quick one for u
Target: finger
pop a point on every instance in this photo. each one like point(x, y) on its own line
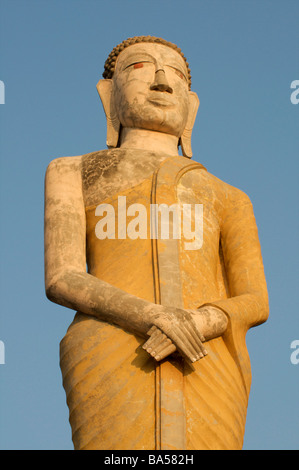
point(191, 325)
point(196, 333)
point(186, 331)
point(158, 345)
point(194, 339)
point(193, 329)
point(165, 352)
point(162, 345)
point(155, 346)
point(155, 333)
point(155, 339)
point(152, 330)
point(183, 345)
point(193, 346)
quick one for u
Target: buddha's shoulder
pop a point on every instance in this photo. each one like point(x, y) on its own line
point(94, 165)
point(87, 164)
point(210, 186)
point(64, 164)
point(225, 190)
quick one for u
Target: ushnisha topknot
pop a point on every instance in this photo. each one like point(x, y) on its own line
point(109, 66)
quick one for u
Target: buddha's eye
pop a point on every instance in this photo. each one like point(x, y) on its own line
point(179, 74)
point(137, 65)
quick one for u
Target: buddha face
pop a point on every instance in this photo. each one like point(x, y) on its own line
point(150, 88)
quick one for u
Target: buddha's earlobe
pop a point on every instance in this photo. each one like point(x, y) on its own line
point(104, 88)
point(185, 140)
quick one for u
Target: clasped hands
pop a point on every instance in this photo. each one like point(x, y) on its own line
point(176, 330)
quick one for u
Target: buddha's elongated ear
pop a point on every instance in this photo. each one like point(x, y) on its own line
point(185, 140)
point(104, 88)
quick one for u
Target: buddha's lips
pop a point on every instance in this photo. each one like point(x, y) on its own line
point(161, 99)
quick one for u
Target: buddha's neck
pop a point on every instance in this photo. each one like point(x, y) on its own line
point(143, 139)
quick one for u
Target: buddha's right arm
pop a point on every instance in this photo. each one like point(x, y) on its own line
point(67, 282)
point(66, 279)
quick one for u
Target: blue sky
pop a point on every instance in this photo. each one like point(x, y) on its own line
point(243, 56)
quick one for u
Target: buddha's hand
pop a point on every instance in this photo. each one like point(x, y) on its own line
point(175, 329)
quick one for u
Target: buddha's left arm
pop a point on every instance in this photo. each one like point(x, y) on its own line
point(247, 305)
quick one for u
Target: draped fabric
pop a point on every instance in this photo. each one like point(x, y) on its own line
point(118, 396)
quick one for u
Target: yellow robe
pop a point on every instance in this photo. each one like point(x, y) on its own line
point(118, 396)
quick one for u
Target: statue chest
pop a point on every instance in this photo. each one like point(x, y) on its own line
point(158, 240)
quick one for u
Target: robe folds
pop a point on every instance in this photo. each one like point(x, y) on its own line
point(120, 398)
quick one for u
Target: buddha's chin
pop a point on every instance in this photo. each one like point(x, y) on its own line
point(156, 118)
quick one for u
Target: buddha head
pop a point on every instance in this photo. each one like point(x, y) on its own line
point(147, 85)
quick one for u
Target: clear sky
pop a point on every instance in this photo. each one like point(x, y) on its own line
point(243, 56)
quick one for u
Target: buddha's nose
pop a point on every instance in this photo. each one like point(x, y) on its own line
point(160, 83)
